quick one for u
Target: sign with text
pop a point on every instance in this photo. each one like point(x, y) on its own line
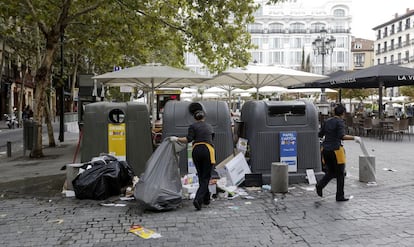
point(117, 140)
point(288, 150)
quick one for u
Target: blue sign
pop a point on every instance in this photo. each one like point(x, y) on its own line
point(288, 150)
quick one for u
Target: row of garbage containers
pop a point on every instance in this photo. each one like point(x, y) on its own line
point(275, 131)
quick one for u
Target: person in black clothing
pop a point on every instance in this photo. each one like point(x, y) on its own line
point(333, 153)
point(201, 134)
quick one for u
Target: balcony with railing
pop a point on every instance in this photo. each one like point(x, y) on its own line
point(297, 30)
point(276, 30)
point(341, 30)
point(256, 30)
point(358, 64)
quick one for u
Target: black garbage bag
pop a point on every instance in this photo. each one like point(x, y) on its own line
point(160, 188)
point(105, 177)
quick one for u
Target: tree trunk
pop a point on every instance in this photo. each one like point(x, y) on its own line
point(21, 94)
point(73, 85)
point(2, 61)
point(42, 84)
point(48, 121)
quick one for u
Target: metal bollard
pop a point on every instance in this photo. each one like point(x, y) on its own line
point(9, 149)
point(279, 177)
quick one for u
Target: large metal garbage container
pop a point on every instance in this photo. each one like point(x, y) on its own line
point(177, 118)
point(282, 131)
point(121, 129)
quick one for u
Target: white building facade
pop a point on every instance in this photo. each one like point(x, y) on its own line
point(395, 40)
point(395, 43)
point(284, 32)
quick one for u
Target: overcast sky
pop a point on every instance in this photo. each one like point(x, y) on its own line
point(368, 14)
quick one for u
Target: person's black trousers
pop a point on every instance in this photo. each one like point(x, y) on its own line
point(334, 170)
point(201, 158)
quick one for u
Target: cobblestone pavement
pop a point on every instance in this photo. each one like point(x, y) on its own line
point(377, 215)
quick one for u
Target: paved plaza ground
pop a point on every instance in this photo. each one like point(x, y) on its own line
point(33, 213)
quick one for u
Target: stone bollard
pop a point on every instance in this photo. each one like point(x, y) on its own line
point(367, 168)
point(279, 177)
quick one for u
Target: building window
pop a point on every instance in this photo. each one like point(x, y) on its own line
point(296, 43)
point(257, 56)
point(392, 29)
point(378, 34)
point(339, 13)
point(400, 26)
point(339, 27)
point(340, 42)
point(407, 23)
point(257, 42)
point(359, 59)
point(275, 43)
point(385, 46)
point(340, 56)
point(392, 59)
point(275, 28)
point(357, 45)
point(192, 59)
point(295, 57)
point(317, 27)
point(392, 44)
point(399, 58)
point(378, 61)
point(255, 28)
point(277, 57)
point(399, 42)
point(297, 27)
point(379, 48)
point(385, 32)
point(385, 60)
point(407, 39)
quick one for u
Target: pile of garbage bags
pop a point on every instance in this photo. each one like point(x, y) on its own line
point(159, 188)
point(102, 177)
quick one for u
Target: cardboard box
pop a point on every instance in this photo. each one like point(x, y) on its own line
point(233, 168)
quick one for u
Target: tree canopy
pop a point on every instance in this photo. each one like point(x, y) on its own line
point(104, 33)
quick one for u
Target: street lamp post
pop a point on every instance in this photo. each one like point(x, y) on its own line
point(323, 45)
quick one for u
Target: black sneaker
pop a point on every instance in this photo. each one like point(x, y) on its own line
point(318, 190)
point(342, 199)
point(197, 205)
point(206, 200)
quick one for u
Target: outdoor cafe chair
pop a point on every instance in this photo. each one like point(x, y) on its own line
point(367, 126)
point(393, 131)
point(404, 128)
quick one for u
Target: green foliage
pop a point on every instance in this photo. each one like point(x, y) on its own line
point(356, 93)
point(116, 95)
point(129, 32)
point(407, 91)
